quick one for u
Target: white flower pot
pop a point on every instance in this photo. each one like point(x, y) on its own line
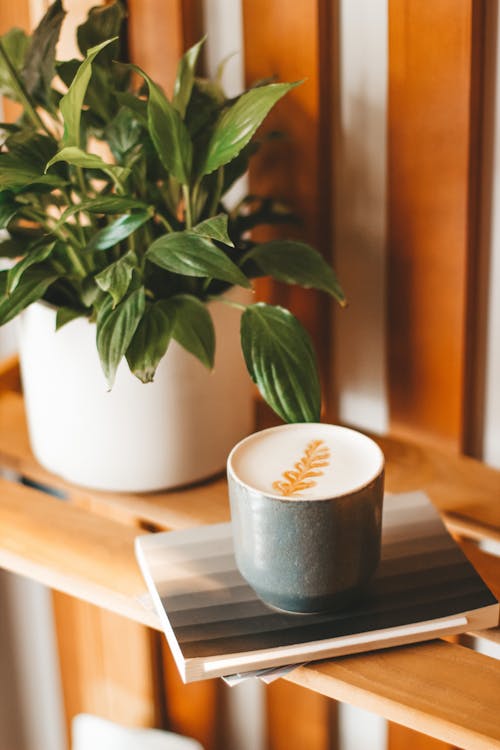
point(137, 437)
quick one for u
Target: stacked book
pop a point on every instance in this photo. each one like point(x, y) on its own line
point(216, 625)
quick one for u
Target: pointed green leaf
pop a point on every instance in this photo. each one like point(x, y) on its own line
point(36, 255)
point(79, 158)
point(214, 229)
point(190, 255)
point(151, 340)
point(33, 286)
point(115, 330)
point(8, 208)
point(168, 132)
point(66, 315)
point(185, 77)
point(116, 277)
point(296, 263)
point(281, 361)
point(239, 122)
point(106, 204)
point(117, 231)
point(15, 43)
point(18, 175)
point(193, 328)
point(39, 65)
point(102, 23)
point(72, 102)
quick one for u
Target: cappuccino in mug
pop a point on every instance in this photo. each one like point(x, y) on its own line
point(306, 509)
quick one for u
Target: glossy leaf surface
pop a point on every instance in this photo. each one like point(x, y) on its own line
point(280, 359)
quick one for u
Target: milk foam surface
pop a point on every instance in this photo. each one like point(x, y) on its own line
point(306, 461)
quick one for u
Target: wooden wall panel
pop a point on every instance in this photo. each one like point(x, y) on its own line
point(107, 664)
point(430, 134)
point(292, 42)
point(159, 33)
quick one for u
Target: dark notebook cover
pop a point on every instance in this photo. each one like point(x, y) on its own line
point(216, 625)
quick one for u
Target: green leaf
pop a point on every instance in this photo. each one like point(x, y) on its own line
point(296, 263)
point(79, 158)
point(66, 315)
point(281, 361)
point(214, 229)
point(185, 77)
point(33, 286)
point(151, 340)
point(106, 204)
point(193, 328)
point(238, 123)
point(17, 175)
point(32, 258)
point(39, 65)
point(116, 277)
point(117, 231)
point(115, 330)
point(102, 23)
point(8, 208)
point(168, 132)
point(15, 43)
point(190, 255)
point(72, 102)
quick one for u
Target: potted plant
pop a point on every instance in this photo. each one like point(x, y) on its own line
point(113, 201)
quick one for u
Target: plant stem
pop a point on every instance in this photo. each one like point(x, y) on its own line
point(165, 222)
point(22, 93)
point(187, 206)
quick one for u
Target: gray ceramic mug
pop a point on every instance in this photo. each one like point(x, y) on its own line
point(313, 548)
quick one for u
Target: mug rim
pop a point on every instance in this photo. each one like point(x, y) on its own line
point(274, 496)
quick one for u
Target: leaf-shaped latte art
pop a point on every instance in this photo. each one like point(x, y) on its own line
point(316, 457)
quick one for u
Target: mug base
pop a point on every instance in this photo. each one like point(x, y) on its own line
point(312, 605)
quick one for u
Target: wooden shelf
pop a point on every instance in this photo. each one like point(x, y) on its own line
point(84, 547)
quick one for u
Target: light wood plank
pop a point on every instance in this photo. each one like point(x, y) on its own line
point(444, 690)
point(72, 551)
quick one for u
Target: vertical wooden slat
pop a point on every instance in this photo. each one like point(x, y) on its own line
point(434, 124)
point(192, 710)
point(291, 41)
point(430, 131)
point(298, 719)
point(107, 664)
point(14, 14)
point(159, 32)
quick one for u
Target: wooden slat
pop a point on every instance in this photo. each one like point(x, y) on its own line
point(297, 169)
point(444, 690)
point(14, 14)
point(71, 550)
point(96, 677)
point(430, 135)
point(159, 32)
point(192, 710)
point(10, 378)
point(296, 719)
